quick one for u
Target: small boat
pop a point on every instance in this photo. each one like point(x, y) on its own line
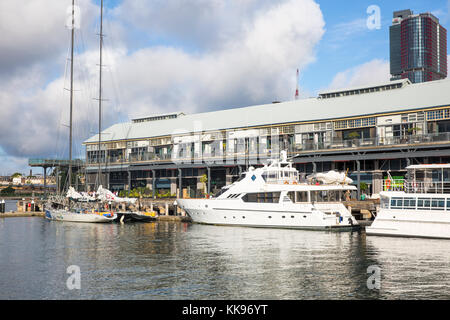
point(79, 215)
point(275, 197)
point(135, 216)
point(416, 207)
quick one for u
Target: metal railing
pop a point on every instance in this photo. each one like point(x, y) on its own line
point(416, 187)
point(368, 142)
point(332, 144)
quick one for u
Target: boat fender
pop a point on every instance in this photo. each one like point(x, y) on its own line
point(121, 219)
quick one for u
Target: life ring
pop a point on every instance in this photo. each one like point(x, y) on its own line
point(388, 183)
point(286, 182)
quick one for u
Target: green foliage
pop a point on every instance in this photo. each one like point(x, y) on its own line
point(8, 191)
point(353, 135)
point(204, 178)
point(163, 195)
point(143, 192)
point(414, 130)
point(363, 186)
point(16, 175)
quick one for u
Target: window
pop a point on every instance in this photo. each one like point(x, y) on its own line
point(355, 123)
point(437, 204)
point(319, 196)
point(423, 203)
point(438, 114)
point(384, 202)
point(302, 196)
point(396, 203)
point(262, 197)
point(291, 195)
point(409, 203)
point(250, 197)
point(220, 192)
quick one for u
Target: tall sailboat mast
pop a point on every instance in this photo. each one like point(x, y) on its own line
point(71, 94)
point(100, 98)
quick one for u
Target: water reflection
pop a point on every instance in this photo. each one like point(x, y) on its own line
point(190, 261)
point(412, 268)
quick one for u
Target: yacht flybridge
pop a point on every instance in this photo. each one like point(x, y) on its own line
point(275, 196)
point(417, 207)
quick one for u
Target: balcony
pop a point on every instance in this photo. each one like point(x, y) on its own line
point(292, 149)
point(373, 142)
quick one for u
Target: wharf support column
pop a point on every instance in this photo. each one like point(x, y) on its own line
point(358, 168)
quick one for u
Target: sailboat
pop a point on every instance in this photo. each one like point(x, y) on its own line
point(67, 213)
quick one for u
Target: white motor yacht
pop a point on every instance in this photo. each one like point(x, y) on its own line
point(417, 207)
point(273, 196)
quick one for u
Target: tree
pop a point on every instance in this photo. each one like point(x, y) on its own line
point(203, 180)
point(353, 135)
point(363, 186)
point(16, 175)
point(8, 191)
point(414, 130)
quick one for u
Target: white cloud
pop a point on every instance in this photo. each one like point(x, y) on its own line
point(242, 60)
point(33, 31)
point(256, 65)
point(372, 72)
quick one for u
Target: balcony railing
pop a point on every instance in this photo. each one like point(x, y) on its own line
point(292, 149)
point(416, 187)
point(372, 142)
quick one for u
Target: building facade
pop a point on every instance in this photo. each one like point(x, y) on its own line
point(369, 131)
point(418, 47)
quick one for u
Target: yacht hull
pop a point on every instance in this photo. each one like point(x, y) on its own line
point(414, 223)
point(221, 212)
point(63, 215)
point(134, 217)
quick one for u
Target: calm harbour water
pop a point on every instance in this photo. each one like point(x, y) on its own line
point(165, 260)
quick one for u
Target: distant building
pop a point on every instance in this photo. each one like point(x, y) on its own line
point(373, 131)
point(418, 47)
point(18, 180)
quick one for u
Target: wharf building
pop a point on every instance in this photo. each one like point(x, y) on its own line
point(418, 47)
point(370, 131)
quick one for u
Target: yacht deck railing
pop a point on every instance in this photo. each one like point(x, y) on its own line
point(416, 186)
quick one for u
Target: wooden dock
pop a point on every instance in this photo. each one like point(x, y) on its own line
point(364, 209)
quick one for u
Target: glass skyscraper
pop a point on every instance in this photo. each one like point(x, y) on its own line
point(418, 47)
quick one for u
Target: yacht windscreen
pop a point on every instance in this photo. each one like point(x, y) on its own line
point(241, 177)
point(221, 191)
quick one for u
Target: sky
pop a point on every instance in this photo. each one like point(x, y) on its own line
point(177, 55)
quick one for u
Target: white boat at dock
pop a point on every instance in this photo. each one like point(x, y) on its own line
point(273, 196)
point(416, 207)
point(79, 216)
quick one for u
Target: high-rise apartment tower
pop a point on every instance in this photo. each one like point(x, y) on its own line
point(418, 47)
